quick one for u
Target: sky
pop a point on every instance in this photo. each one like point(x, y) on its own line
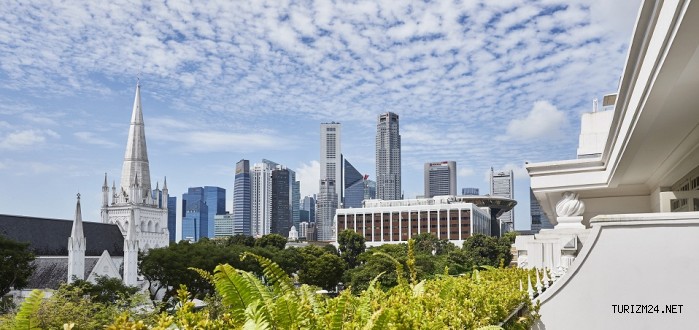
point(483, 83)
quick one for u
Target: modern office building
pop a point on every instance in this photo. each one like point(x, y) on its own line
point(331, 164)
point(224, 225)
point(280, 213)
point(309, 205)
point(447, 217)
point(354, 186)
point(325, 209)
point(242, 200)
point(388, 157)
point(539, 219)
point(440, 178)
point(172, 217)
point(200, 205)
point(470, 191)
point(294, 198)
point(502, 185)
point(261, 197)
point(303, 230)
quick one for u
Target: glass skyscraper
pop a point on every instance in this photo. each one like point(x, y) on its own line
point(354, 186)
point(388, 158)
point(242, 203)
point(172, 217)
point(199, 208)
point(281, 207)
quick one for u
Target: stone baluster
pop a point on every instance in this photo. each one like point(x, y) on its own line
point(530, 291)
point(546, 279)
point(538, 282)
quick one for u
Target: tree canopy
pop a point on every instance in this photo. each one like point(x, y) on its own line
point(15, 264)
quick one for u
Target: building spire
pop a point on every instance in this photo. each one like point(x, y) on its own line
point(131, 231)
point(77, 231)
point(136, 156)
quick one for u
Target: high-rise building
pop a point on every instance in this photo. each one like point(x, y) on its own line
point(303, 229)
point(295, 198)
point(470, 191)
point(440, 179)
point(135, 202)
point(354, 187)
point(280, 214)
point(539, 219)
point(172, 217)
point(242, 203)
point(200, 205)
point(331, 165)
point(369, 188)
point(309, 205)
point(224, 225)
point(502, 184)
point(388, 161)
point(261, 196)
point(325, 209)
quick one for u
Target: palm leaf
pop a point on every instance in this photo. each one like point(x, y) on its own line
point(25, 319)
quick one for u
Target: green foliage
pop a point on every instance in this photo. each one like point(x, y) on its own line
point(487, 250)
point(243, 240)
point(352, 245)
point(15, 265)
point(26, 317)
point(271, 240)
point(321, 268)
point(105, 289)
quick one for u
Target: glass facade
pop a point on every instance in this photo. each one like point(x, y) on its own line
point(172, 217)
point(242, 203)
point(199, 208)
point(281, 206)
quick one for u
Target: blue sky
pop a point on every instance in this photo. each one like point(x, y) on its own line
point(493, 83)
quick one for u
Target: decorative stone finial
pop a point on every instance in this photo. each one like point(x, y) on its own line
point(570, 206)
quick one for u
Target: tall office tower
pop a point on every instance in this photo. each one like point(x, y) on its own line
point(261, 197)
point(200, 205)
point(172, 217)
point(242, 203)
point(369, 188)
point(539, 219)
point(325, 211)
point(309, 204)
point(388, 184)
point(295, 198)
point(194, 214)
point(303, 229)
point(331, 156)
point(470, 191)
point(280, 213)
point(354, 186)
point(215, 198)
point(502, 184)
point(440, 179)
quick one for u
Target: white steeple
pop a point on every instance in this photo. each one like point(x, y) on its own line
point(76, 247)
point(136, 156)
point(131, 252)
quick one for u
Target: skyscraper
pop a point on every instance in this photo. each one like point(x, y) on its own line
point(470, 191)
point(325, 209)
point(172, 217)
point(200, 205)
point(502, 184)
point(280, 214)
point(261, 196)
point(440, 178)
point(295, 198)
point(309, 205)
point(242, 203)
point(539, 219)
point(331, 165)
point(388, 162)
point(354, 186)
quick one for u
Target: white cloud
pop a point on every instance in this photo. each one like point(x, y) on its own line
point(309, 175)
point(91, 138)
point(26, 138)
point(464, 171)
point(543, 121)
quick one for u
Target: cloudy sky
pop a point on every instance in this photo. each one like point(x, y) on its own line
point(493, 83)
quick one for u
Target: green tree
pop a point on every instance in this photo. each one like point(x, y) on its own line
point(240, 239)
point(15, 264)
point(352, 245)
point(271, 240)
point(320, 268)
point(105, 289)
point(487, 250)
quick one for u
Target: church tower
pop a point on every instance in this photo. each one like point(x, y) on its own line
point(76, 247)
point(133, 202)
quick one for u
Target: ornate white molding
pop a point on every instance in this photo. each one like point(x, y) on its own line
point(570, 205)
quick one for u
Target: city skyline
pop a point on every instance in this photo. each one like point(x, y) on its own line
point(461, 79)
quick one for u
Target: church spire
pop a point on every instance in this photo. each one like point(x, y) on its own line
point(76, 247)
point(136, 156)
point(77, 231)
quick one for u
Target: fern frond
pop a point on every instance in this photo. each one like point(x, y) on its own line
point(338, 313)
point(287, 311)
point(419, 289)
point(25, 319)
point(281, 282)
point(255, 318)
point(235, 290)
point(399, 266)
point(204, 274)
